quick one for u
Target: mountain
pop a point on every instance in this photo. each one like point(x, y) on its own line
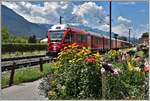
point(18, 26)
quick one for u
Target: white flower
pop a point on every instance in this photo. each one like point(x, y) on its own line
point(102, 70)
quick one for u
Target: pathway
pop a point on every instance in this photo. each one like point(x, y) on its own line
point(24, 91)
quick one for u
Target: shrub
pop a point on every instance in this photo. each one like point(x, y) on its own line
point(32, 39)
point(22, 47)
point(76, 75)
point(113, 54)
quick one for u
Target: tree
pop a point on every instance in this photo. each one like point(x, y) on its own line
point(32, 39)
point(123, 38)
point(5, 34)
point(146, 34)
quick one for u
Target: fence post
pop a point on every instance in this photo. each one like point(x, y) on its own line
point(41, 64)
point(11, 80)
point(104, 86)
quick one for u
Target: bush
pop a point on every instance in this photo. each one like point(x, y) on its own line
point(79, 74)
point(32, 39)
point(76, 75)
point(22, 47)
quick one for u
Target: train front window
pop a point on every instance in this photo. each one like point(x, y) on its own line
point(56, 36)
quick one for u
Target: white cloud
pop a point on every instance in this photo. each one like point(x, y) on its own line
point(121, 20)
point(127, 3)
point(36, 13)
point(122, 27)
point(87, 13)
point(104, 27)
point(140, 30)
point(90, 14)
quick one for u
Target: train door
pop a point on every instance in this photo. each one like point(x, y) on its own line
point(68, 39)
point(89, 41)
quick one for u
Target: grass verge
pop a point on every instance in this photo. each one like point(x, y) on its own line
point(25, 75)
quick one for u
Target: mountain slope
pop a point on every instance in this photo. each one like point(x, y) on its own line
point(19, 26)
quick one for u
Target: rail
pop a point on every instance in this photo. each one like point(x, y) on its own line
point(18, 58)
point(12, 64)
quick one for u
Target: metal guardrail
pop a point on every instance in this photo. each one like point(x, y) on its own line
point(34, 60)
point(18, 58)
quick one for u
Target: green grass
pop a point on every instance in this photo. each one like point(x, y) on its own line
point(21, 54)
point(25, 75)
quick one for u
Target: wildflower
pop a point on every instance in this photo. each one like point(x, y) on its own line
point(107, 67)
point(51, 93)
point(137, 69)
point(63, 87)
point(130, 67)
point(146, 67)
point(116, 72)
point(89, 59)
point(65, 48)
point(102, 70)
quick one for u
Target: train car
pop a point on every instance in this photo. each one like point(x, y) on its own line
point(62, 35)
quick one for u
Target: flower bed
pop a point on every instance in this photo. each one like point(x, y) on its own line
point(77, 73)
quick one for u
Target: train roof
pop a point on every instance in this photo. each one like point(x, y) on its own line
point(58, 27)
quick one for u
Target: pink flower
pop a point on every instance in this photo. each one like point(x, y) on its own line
point(146, 66)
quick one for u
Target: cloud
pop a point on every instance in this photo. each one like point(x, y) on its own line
point(127, 3)
point(50, 12)
point(123, 20)
point(122, 27)
point(140, 30)
point(87, 13)
point(90, 14)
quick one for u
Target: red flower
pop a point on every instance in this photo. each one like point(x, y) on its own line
point(146, 69)
point(90, 59)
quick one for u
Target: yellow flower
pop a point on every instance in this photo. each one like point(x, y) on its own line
point(65, 47)
point(130, 67)
point(97, 55)
point(51, 93)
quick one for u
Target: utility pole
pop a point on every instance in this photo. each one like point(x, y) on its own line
point(60, 20)
point(110, 23)
point(129, 35)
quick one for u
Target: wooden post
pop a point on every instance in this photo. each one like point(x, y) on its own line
point(12, 74)
point(104, 86)
point(41, 64)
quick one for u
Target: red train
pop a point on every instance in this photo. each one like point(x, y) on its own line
point(62, 35)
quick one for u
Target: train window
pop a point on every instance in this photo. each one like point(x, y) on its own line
point(56, 36)
point(69, 38)
point(81, 38)
point(97, 41)
point(84, 38)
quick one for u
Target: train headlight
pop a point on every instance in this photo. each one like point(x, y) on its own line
point(54, 48)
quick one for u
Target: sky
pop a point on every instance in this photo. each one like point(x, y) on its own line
point(125, 15)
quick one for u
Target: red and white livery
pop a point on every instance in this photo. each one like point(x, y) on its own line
point(62, 35)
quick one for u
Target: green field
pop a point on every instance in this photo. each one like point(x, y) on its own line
point(25, 75)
